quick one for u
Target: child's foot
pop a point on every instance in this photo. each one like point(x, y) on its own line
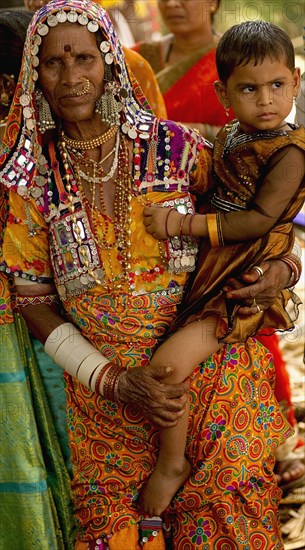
point(160, 488)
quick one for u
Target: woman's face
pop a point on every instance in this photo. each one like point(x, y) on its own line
point(68, 56)
point(185, 16)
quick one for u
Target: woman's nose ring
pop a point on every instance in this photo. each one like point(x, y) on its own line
point(85, 89)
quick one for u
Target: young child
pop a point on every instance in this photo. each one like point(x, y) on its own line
point(258, 188)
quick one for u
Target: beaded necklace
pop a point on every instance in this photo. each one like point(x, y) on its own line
point(86, 145)
point(121, 222)
point(97, 167)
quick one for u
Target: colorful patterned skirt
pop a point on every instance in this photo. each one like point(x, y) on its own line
point(230, 501)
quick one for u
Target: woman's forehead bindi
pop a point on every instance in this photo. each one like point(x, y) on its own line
point(67, 48)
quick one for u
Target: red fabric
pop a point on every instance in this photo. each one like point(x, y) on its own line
point(193, 99)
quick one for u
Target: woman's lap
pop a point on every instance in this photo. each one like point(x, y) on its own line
point(231, 497)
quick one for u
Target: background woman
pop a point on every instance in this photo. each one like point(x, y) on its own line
point(184, 63)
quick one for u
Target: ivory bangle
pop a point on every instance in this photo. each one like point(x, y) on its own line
point(57, 336)
point(71, 351)
point(71, 357)
point(88, 366)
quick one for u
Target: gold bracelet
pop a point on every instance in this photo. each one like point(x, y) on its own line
point(212, 230)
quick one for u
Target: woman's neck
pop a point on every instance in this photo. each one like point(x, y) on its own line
point(183, 45)
point(86, 129)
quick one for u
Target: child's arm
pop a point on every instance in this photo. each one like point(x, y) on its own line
point(280, 185)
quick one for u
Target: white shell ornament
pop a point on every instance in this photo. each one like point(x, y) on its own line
point(132, 133)
point(37, 39)
point(109, 58)
point(72, 16)
point(35, 61)
point(43, 29)
point(52, 21)
point(105, 46)
point(30, 124)
point(83, 19)
point(61, 16)
point(93, 26)
point(24, 100)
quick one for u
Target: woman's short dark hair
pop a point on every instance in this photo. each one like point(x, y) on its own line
point(252, 40)
point(13, 27)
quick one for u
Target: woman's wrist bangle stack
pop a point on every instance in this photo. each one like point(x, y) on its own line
point(71, 351)
point(296, 267)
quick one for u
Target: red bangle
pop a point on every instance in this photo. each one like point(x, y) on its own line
point(110, 385)
point(181, 223)
point(295, 266)
point(191, 222)
point(166, 222)
point(100, 376)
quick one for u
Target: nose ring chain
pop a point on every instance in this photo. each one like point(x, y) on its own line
point(85, 89)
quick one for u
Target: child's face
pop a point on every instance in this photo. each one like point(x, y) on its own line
point(261, 96)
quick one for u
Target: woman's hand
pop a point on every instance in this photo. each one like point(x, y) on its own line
point(259, 290)
point(162, 223)
point(163, 404)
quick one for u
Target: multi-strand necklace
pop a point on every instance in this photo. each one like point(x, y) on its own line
point(106, 240)
point(86, 145)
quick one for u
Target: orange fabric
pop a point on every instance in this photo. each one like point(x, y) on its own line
point(231, 494)
point(147, 80)
point(128, 539)
point(282, 388)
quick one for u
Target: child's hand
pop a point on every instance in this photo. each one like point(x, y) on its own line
point(162, 223)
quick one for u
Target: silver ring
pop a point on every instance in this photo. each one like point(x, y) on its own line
point(258, 308)
point(258, 270)
point(254, 304)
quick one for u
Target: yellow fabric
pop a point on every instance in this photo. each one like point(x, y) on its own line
point(147, 80)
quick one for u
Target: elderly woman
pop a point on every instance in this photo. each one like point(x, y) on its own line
point(82, 159)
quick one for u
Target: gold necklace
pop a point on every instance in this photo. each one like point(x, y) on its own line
point(86, 145)
point(4, 120)
point(122, 221)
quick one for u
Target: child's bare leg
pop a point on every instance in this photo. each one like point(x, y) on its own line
point(184, 350)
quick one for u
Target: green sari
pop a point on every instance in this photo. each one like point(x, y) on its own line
point(34, 482)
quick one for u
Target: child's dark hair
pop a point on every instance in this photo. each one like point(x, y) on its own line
point(252, 40)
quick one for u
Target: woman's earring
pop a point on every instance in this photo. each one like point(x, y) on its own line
point(227, 109)
point(45, 120)
point(108, 106)
point(4, 99)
